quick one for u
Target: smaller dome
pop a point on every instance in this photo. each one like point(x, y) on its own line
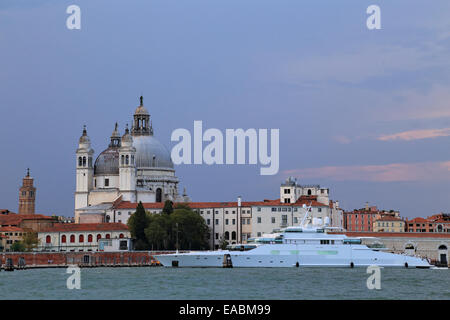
point(84, 138)
point(127, 139)
point(107, 162)
point(141, 109)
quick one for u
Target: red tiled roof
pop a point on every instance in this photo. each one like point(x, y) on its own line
point(204, 205)
point(419, 220)
point(389, 218)
point(396, 234)
point(73, 227)
point(16, 219)
point(11, 229)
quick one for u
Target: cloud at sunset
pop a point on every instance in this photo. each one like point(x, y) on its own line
point(416, 135)
point(394, 172)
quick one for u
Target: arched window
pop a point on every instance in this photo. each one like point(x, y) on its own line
point(63, 238)
point(48, 239)
point(72, 238)
point(309, 192)
point(90, 238)
point(84, 161)
point(227, 235)
point(81, 238)
point(121, 235)
point(99, 236)
point(233, 235)
point(132, 159)
point(108, 236)
point(80, 161)
point(158, 195)
point(442, 247)
point(122, 159)
point(409, 246)
point(439, 228)
point(108, 218)
point(127, 159)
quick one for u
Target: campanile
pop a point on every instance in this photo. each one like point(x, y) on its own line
point(27, 195)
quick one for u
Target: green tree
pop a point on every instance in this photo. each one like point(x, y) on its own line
point(223, 243)
point(137, 223)
point(168, 207)
point(18, 247)
point(192, 229)
point(30, 240)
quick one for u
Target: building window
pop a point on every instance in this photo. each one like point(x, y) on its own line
point(226, 221)
point(273, 219)
point(234, 221)
point(48, 239)
point(121, 236)
point(233, 235)
point(106, 182)
point(81, 238)
point(158, 195)
point(217, 221)
point(208, 221)
point(108, 236)
point(72, 238)
point(227, 235)
point(99, 236)
point(63, 238)
point(287, 200)
point(259, 220)
point(90, 238)
point(248, 221)
point(259, 209)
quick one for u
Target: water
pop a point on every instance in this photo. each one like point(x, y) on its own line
point(226, 284)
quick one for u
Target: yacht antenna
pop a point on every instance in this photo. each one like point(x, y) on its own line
point(306, 214)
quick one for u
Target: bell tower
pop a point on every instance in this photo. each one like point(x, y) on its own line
point(127, 168)
point(27, 195)
point(85, 171)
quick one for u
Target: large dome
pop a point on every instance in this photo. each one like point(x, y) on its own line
point(150, 153)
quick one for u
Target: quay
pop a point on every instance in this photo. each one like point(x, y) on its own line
point(10, 261)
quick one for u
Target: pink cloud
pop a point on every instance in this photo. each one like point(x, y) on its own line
point(416, 134)
point(422, 171)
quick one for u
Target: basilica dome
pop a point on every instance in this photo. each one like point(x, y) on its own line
point(150, 153)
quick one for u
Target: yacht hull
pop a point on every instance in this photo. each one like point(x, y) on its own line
point(285, 256)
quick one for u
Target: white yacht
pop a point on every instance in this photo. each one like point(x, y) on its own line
point(307, 245)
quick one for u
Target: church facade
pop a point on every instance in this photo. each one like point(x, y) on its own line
point(135, 167)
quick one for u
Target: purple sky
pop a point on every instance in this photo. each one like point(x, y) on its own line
point(362, 112)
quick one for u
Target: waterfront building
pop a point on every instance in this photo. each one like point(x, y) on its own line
point(389, 224)
point(135, 167)
point(27, 222)
point(362, 220)
point(78, 237)
point(436, 223)
point(27, 195)
point(8, 236)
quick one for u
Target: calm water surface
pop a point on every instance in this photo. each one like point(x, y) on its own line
point(209, 283)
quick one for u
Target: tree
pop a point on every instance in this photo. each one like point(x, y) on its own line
point(30, 240)
point(168, 207)
point(18, 247)
point(191, 228)
point(137, 223)
point(223, 243)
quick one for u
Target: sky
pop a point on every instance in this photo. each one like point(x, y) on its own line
point(363, 112)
